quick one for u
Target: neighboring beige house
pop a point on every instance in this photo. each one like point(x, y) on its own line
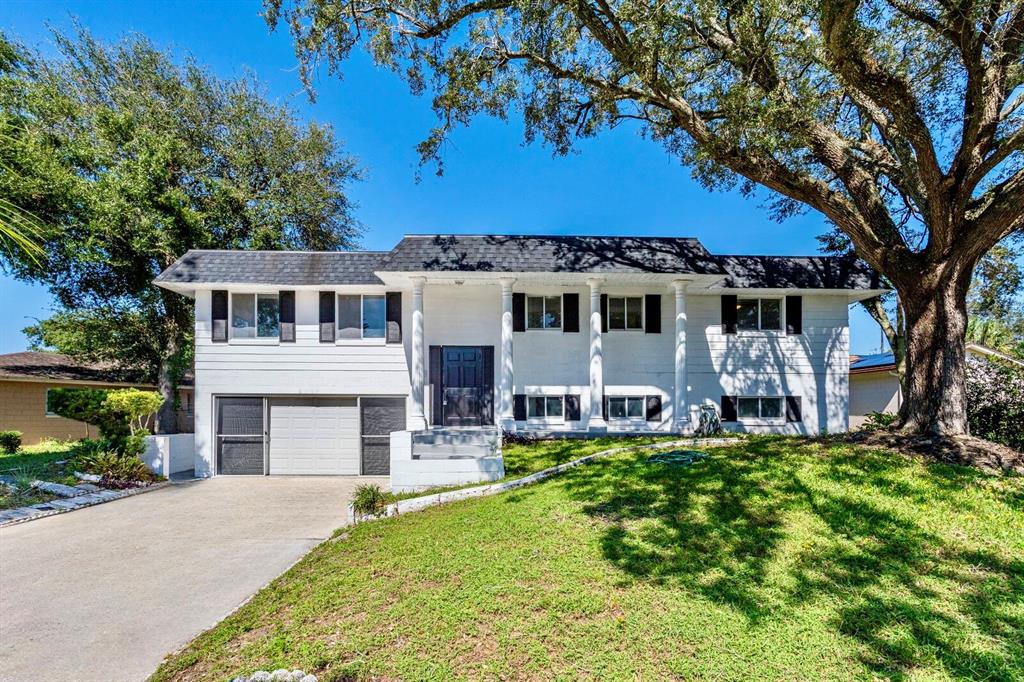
point(874, 386)
point(27, 377)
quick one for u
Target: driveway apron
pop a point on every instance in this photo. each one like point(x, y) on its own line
point(104, 593)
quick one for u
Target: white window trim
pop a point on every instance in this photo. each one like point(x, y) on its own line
point(256, 340)
point(781, 419)
point(46, 405)
point(643, 316)
point(362, 340)
point(543, 298)
point(760, 329)
point(627, 418)
point(545, 419)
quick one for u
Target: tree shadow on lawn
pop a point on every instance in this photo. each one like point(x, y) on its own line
point(722, 528)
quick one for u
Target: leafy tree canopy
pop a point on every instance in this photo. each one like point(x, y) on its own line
point(127, 158)
point(901, 122)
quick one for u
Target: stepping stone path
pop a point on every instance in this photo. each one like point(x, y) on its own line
point(76, 497)
point(56, 488)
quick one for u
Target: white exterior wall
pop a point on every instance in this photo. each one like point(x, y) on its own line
point(549, 362)
point(813, 365)
point(872, 392)
point(303, 368)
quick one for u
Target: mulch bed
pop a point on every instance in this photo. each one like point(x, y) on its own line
point(967, 450)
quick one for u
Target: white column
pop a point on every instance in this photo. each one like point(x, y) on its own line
point(681, 408)
point(417, 420)
point(505, 383)
point(596, 358)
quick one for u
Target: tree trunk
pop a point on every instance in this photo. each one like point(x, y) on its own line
point(166, 419)
point(935, 311)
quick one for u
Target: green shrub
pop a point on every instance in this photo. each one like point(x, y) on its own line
point(995, 401)
point(133, 406)
point(369, 500)
point(10, 441)
point(879, 420)
point(116, 470)
point(119, 414)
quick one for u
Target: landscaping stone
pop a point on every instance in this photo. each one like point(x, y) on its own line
point(280, 675)
point(88, 487)
point(91, 478)
point(56, 488)
point(85, 496)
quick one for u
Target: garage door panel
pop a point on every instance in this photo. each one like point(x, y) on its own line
point(314, 436)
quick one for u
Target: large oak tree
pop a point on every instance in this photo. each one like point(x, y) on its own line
point(900, 121)
point(127, 157)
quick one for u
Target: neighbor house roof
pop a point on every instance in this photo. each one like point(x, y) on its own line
point(871, 363)
point(880, 362)
point(518, 254)
point(274, 267)
point(42, 365)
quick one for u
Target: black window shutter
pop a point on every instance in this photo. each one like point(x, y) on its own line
point(653, 408)
point(572, 407)
point(436, 390)
point(286, 316)
point(519, 407)
point(393, 305)
point(728, 408)
point(604, 408)
point(570, 313)
point(795, 315)
point(728, 314)
point(652, 313)
point(604, 313)
point(519, 312)
point(327, 317)
point(793, 413)
point(487, 389)
point(219, 315)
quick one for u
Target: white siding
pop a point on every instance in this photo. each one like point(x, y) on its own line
point(813, 365)
point(303, 368)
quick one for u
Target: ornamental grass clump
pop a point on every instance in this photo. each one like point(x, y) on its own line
point(369, 500)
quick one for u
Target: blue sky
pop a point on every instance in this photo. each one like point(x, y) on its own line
point(618, 184)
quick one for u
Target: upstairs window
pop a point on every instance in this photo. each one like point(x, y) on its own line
point(759, 314)
point(759, 408)
point(361, 317)
point(545, 407)
point(543, 312)
point(254, 316)
point(626, 312)
point(626, 408)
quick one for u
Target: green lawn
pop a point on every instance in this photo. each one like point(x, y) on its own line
point(30, 463)
point(774, 558)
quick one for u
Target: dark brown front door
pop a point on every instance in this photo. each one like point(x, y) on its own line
point(463, 384)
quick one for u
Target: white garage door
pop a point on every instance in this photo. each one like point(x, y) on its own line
point(317, 436)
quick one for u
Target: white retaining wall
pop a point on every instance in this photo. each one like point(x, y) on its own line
point(408, 474)
point(170, 454)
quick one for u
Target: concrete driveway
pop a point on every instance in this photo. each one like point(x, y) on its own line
point(104, 593)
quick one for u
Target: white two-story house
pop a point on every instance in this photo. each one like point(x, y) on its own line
point(406, 362)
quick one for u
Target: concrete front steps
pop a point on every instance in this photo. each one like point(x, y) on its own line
point(457, 443)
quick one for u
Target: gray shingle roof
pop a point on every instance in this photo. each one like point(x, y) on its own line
point(274, 267)
point(500, 253)
point(806, 272)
